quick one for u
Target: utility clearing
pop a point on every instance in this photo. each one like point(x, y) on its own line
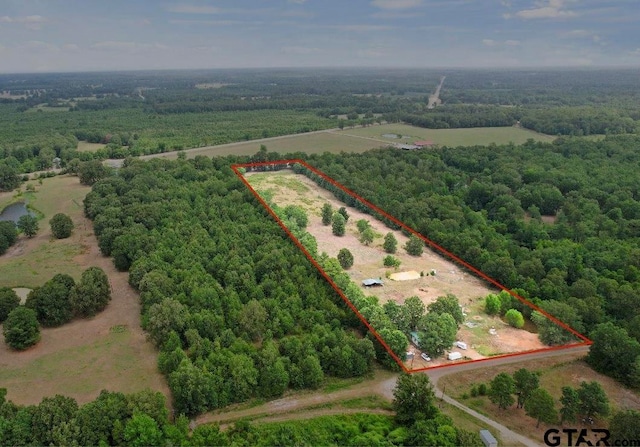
point(428, 276)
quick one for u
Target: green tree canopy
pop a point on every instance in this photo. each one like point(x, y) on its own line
point(414, 245)
point(448, 304)
point(9, 300)
point(390, 244)
point(345, 258)
point(413, 398)
point(327, 214)
point(92, 294)
point(501, 391)
point(437, 333)
point(514, 318)
point(540, 406)
point(28, 224)
point(21, 329)
point(338, 224)
point(61, 226)
point(525, 383)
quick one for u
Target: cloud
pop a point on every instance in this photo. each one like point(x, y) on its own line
point(211, 22)
point(394, 15)
point(396, 4)
point(301, 50)
point(33, 22)
point(70, 47)
point(497, 43)
point(126, 47)
point(297, 2)
point(546, 9)
point(39, 46)
point(362, 28)
point(182, 8)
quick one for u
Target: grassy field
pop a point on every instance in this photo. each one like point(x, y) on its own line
point(311, 143)
point(448, 137)
point(112, 362)
point(31, 262)
point(554, 374)
point(85, 146)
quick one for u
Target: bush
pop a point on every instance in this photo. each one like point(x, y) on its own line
point(492, 304)
point(514, 318)
point(390, 243)
point(414, 246)
point(61, 226)
point(344, 213)
point(21, 328)
point(391, 261)
point(362, 225)
point(345, 258)
point(338, 224)
point(482, 389)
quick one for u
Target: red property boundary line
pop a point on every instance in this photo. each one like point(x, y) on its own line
point(289, 163)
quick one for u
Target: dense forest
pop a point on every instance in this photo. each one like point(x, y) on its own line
point(560, 222)
point(235, 309)
point(140, 113)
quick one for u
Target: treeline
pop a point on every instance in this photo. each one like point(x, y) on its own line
point(235, 309)
point(488, 206)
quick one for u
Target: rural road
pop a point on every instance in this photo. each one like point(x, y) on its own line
point(301, 407)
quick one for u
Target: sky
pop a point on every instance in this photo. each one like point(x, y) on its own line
point(97, 35)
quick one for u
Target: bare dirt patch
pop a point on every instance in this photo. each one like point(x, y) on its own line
point(287, 188)
point(22, 293)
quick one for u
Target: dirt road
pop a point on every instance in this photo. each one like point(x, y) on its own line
point(434, 100)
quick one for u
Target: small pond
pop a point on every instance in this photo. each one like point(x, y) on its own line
point(14, 212)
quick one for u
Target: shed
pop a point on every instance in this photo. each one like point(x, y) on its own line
point(407, 147)
point(455, 356)
point(372, 282)
point(487, 439)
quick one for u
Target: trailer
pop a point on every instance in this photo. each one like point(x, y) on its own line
point(454, 356)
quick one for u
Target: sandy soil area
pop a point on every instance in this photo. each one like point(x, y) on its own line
point(287, 188)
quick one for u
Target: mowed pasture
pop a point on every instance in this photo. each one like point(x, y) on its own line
point(85, 146)
point(79, 359)
point(362, 139)
point(555, 373)
point(310, 143)
point(448, 137)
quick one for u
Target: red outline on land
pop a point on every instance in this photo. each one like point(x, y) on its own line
point(430, 243)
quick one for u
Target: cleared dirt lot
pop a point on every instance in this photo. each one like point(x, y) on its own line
point(286, 188)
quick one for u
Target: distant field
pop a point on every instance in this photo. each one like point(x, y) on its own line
point(32, 262)
point(84, 146)
point(449, 137)
point(311, 143)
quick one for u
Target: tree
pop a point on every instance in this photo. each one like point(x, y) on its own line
point(391, 261)
point(570, 401)
point(252, 319)
point(448, 304)
point(593, 400)
point(9, 177)
point(28, 224)
point(9, 300)
point(437, 333)
point(61, 226)
point(492, 304)
point(164, 317)
point(413, 399)
point(501, 390)
point(514, 318)
point(327, 214)
point(362, 225)
point(21, 328)
point(541, 407)
point(611, 350)
point(92, 294)
point(345, 258)
point(52, 303)
point(624, 425)
point(525, 383)
point(50, 415)
point(312, 374)
point(414, 246)
point(367, 236)
point(8, 235)
point(91, 171)
point(338, 224)
point(414, 309)
point(342, 210)
point(141, 430)
point(390, 244)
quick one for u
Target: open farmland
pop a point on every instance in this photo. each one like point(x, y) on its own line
point(78, 359)
point(286, 188)
point(448, 137)
point(310, 143)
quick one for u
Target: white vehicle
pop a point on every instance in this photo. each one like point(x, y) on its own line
point(461, 345)
point(455, 356)
point(425, 357)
